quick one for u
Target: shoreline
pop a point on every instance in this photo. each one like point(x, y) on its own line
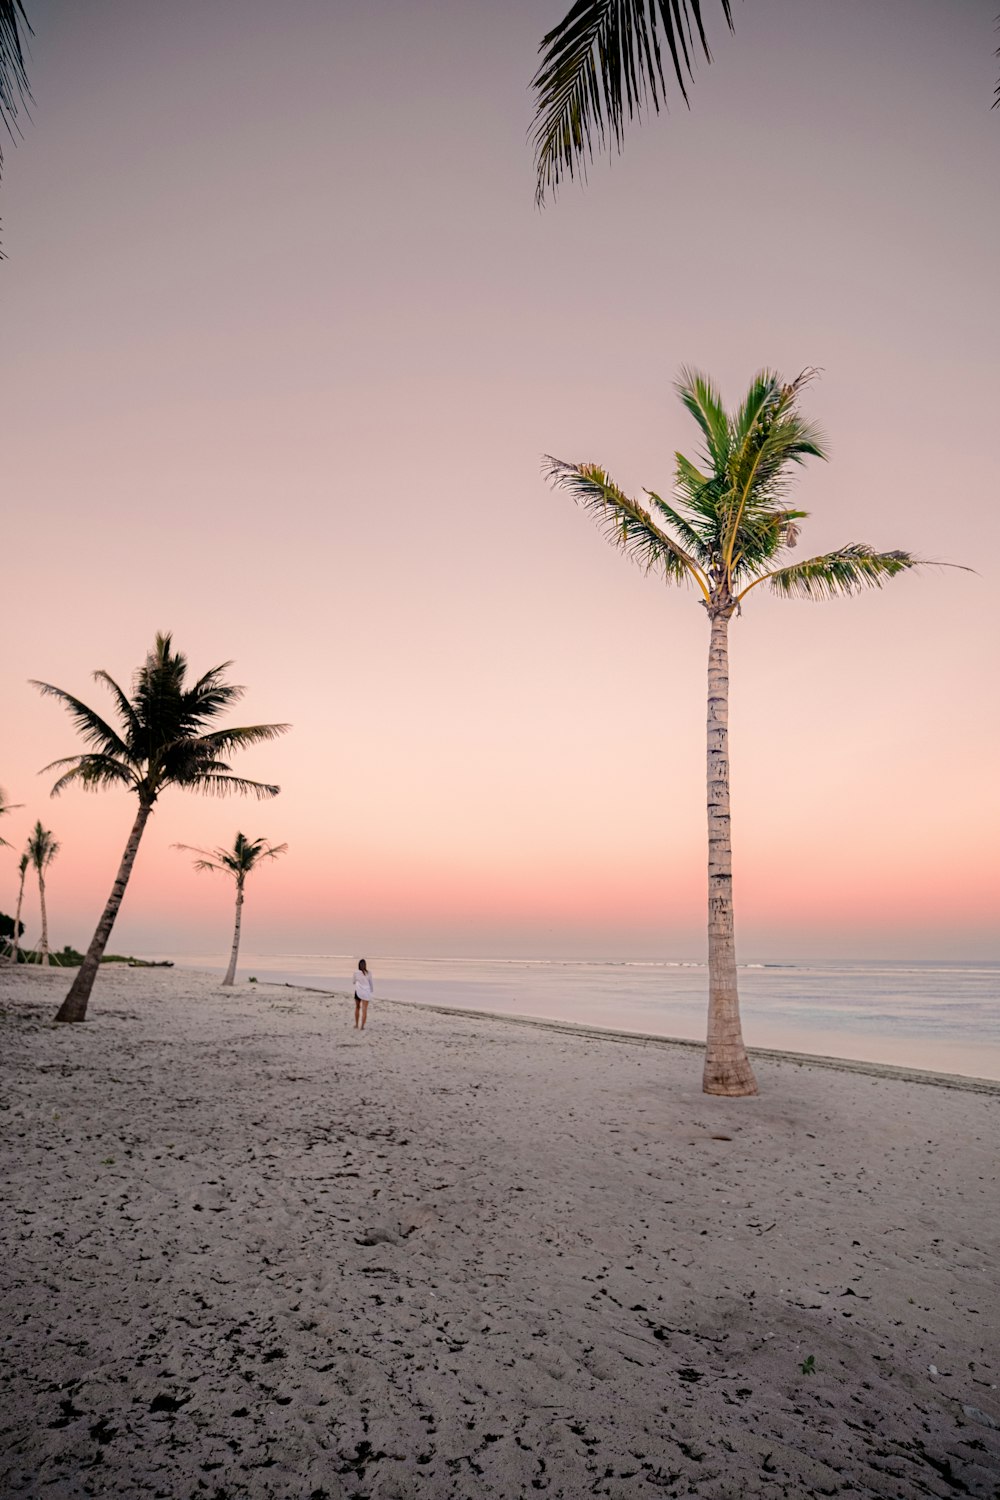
point(963, 1081)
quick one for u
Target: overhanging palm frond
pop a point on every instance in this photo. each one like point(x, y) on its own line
point(849, 570)
point(604, 63)
point(624, 522)
point(14, 87)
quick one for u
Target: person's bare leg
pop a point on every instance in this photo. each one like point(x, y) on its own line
point(357, 1013)
point(364, 1013)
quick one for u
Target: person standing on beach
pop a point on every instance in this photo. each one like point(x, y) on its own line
point(363, 991)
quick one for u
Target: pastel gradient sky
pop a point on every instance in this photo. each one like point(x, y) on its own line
point(284, 339)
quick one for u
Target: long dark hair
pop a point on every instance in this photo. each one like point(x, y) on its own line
point(362, 966)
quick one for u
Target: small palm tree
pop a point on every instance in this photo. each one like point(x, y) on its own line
point(22, 869)
point(163, 740)
point(5, 808)
point(728, 526)
point(42, 850)
point(245, 855)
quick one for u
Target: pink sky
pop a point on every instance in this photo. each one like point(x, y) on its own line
point(284, 341)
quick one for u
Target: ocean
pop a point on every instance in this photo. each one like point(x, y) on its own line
point(944, 1016)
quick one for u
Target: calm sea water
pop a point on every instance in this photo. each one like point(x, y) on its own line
point(944, 1016)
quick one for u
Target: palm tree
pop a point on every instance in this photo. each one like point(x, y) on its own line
point(238, 862)
point(727, 531)
point(163, 740)
point(604, 63)
point(5, 808)
point(22, 868)
point(42, 850)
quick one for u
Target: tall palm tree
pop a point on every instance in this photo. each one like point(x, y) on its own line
point(606, 62)
point(727, 531)
point(42, 850)
point(22, 869)
point(245, 855)
point(163, 740)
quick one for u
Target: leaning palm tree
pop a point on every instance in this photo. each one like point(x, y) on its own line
point(245, 855)
point(727, 531)
point(22, 869)
point(42, 850)
point(163, 740)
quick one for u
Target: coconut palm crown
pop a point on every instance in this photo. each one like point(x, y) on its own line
point(239, 861)
point(164, 737)
point(728, 529)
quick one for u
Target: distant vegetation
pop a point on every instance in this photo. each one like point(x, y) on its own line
point(68, 958)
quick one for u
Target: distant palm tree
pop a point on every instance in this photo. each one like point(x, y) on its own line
point(5, 808)
point(238, 862)
point(42, 850)
point(605, 63)
point(163, 741)
point(726, 528)
point(22, 869)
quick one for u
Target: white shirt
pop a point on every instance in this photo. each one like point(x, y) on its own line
point(363, 987)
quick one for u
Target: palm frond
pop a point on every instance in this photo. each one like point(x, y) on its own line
point(623, 521)
point(693, 540)
point(769, 435)
point(848, 570)
point(14, 86)
point(5, 806)
point(128, 714)
point(224, 741)
point(217, 784)
point(216, 860)
point(605, 63)
point(762, 536)
point(703, 400)
point(763, 393)
point(93, 729)
point(93, 772)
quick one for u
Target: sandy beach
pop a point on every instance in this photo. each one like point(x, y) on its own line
point(251, 1253)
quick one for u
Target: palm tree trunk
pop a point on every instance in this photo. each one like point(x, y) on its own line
point(231, 971)
point(727, 1067)
point(12, 958)
point(43, 946)
point(74, 1007)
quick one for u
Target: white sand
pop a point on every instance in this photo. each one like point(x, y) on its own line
point(249, 1253)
